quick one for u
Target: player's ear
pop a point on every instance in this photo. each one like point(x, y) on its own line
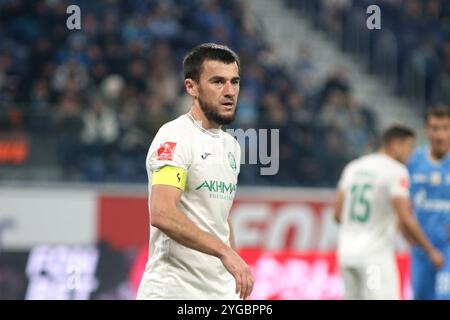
point(191, 87)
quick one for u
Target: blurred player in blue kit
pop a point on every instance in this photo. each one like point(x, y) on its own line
point(429, 169)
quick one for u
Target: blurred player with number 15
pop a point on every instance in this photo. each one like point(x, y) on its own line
point(372, 200)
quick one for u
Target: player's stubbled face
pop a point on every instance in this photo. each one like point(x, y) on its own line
point(438, 132)
point(218, 91)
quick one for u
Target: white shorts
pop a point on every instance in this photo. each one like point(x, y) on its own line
point(372, 281)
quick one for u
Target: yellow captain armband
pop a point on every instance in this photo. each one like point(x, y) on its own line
point(171, 176)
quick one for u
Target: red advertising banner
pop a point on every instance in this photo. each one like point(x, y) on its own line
point(284, 224)
point(289, 275)
point(123, 221)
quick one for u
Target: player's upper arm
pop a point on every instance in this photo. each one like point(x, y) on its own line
point(402, 207)
point(339, 204)
point(168, 183)
point(170, 147)
point(398, 183)
point(168, 161)
point(163, 199)
point(398, 188)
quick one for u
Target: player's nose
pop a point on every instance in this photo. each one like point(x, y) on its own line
point(229, 89)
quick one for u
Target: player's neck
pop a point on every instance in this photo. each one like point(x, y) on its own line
point(437, 156)
point(198, 115)
point(386, 152)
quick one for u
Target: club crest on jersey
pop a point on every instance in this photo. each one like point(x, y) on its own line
point(435, 178)
point(166, 150)
point(232, 161)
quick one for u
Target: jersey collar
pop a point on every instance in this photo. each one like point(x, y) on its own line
point(208, 132)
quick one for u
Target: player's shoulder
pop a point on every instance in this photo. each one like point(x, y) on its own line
point(362, 160)
point(383, 163)
point(419, 154)
point(388, 163)
point(354, 164)
point(398, 166)
point(176, 125)
point(447, 159)
point(176, 129)
point(418, 158)
point(175, 132)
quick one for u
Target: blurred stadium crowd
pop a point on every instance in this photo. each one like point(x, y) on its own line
point(412, 52)
point(104, 91)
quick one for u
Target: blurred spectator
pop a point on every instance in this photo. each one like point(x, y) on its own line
point(162, 23)
point(335, 112)
point(112, 88)
point(98, 137)
point(441, 92)
point(163, 79)
point(338, 81)
point(69, 124)
point(40, 106)
point(155, 114)
point(247, 112)
point(71, 76)
point(274, 114)
point(331, 147)
point(305, 71)
point(299, 112)
point(5, 70)
point(100, 125)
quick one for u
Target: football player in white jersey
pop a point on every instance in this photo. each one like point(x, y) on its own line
point(192, 168)
point(372, 201)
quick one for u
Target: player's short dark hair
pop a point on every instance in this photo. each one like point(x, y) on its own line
point(193, 61)
point(396, 131)
point(439, 111)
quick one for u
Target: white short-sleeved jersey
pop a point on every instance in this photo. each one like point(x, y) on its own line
point(212, 160)
point(369, 222)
